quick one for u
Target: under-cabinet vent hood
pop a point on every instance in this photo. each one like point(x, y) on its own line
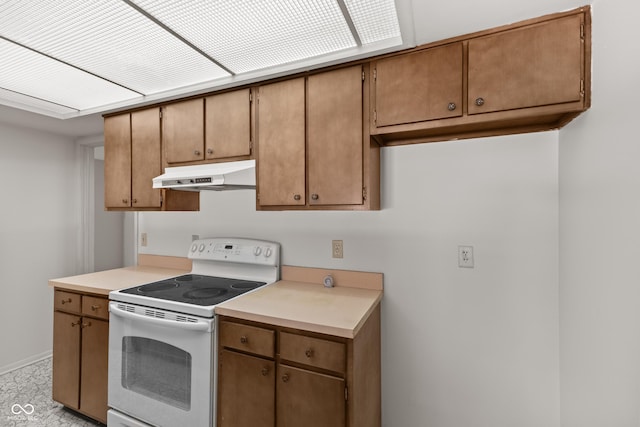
point(213, 176)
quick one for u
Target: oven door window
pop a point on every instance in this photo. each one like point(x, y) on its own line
point(157, 370)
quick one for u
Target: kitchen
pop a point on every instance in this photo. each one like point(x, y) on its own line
point(543, 331)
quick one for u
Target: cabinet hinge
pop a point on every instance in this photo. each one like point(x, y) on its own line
point(161, 113)
point(250, 97)
point(581, 87)
point(250, 145)
point(346, 394)
point(375, 117)
point(364, 193)
point(375, 73)
point(362, 75)
point(582, 31)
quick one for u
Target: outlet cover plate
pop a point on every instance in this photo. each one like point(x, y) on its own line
point(465, 256)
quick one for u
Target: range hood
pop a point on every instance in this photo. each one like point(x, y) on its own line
point(213, 176)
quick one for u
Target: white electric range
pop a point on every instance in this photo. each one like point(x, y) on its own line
point(162, 335)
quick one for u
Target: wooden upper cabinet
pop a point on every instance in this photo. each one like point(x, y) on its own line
point(145, 158)
point(281, 143)
point(334, 137)
point(183, 131)
point(117, 161)
point(419, 86)
point(532, 66)
point(228, 125)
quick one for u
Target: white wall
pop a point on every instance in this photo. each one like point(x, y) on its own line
point(600, 227)
point(461, 347)
point(108, 227)
point(38, 232)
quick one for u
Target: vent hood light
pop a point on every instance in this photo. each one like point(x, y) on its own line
point(214, 176)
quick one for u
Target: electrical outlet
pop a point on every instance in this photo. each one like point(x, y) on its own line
point(143, 239)
point(336, 248)
point(465, 256)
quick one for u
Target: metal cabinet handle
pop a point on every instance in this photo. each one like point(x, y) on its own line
point(479, 102)
point(296, 197)
point(244, 339)
point(265, 371)
point(84, 325)
point(64, 301)
point(75, 323)
point(135, 201)
point(309, 352)
point(125, 201)
point(95, 307)
point(452, 106)
point(285, 378)
point(196, 152)
point(209, 151)
point(314, 197)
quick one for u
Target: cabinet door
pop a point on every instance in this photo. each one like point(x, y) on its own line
point(246, 392)
point(281, 143)
point(93, 381)
point(228, 125)
point(309, 399)
point(145, 157)
point(420, 86)
point(526, 67)
point(183, 131)
point(66, 359)
point(117, 161)
point(334, 137)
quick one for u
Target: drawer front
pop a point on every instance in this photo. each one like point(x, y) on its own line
point(66, 301)
point(95, 306)
point(314, 352)
point(247, 338)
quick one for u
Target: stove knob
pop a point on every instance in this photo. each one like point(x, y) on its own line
point(267, 252)
point(201, 247)
point(257, 251)
point(194, 247)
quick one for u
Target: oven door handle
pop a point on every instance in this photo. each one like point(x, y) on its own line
point(199, 326)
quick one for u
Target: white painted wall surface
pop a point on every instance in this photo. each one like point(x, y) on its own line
point(38, 231)
point(600, 228)
point(108, 228)
point(461, 347)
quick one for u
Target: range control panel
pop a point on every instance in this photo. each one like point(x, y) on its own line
point(247, 251)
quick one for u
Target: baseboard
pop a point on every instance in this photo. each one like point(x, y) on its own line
point(24, 362)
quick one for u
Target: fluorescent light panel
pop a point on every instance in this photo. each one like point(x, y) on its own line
point(108, 38)
point(38, 76)
point(110, 53)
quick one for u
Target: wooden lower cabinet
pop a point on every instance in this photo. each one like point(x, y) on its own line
point(310, 399)
point(80, 351)
point(293, 378)
point(247, 384)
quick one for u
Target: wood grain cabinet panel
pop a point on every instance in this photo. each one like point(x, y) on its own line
point(527, 67)
point(117, 161)
point(80, 353)
point(334, 137)
point(228, 125)
point(281, 143)
point(309, 399)
point(247, 338)
point(66, 359)
point(145, 158)
point(419, 86)
point(183, 131)
point(246, 390)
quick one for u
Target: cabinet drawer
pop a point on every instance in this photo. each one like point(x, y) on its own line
point(95, 306)
point(66, 301)
point(314, 352)
point(247, 338)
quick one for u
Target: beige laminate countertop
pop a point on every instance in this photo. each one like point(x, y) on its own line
point(103, 282)
point(338, 311)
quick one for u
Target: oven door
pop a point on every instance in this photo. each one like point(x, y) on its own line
point(161, 366)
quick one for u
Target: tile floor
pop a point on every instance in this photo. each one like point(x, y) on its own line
point(25, 400)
